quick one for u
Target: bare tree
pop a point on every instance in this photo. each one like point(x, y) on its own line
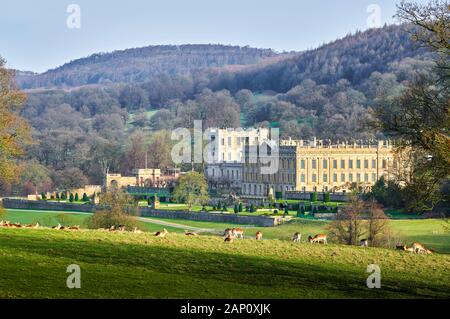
point(348, 226)
point(378, 228)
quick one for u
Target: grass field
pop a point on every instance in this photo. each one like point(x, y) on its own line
point(430, 232)
point(127, 265)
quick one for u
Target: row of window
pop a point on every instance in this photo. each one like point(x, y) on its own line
point(342, 178)
point(229, 173)
point(262, 190)
point(358, 164)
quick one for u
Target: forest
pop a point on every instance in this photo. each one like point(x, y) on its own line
point(105, 112)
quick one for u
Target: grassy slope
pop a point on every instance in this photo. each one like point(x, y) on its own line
point(34, 262)
point(427, 231)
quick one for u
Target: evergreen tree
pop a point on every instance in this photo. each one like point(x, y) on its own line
point(85, 198)
point(77, 198)
point(236, 208)
point(71, 198)
point(241, 208)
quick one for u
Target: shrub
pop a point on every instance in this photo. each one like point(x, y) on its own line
point(63, 196)
point(77, 198)
point(85, 198)
point(326, 197)
point(236, 208)
point(43, 196)
point(286, 211)
point(241, 208)
point(71, 198)
point(313, 197)
point(275, 211)
point(252, 208)
point(224, 207)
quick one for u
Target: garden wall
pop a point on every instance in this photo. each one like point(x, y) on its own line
point(45, 205)
point(263, 221)
point(334, 197)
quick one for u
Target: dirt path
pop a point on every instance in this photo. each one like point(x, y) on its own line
point(176, 225)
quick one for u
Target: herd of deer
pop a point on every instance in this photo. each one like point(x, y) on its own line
point(416, 248)
point(229, 235)
point(232, 233)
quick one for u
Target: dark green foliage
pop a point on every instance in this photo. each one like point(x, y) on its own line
point(286, 211)
point(313, 197)
point(326, 197)
point(76, 197)
point(224, 207)
point(71, 198)
point(43, 196)
point(275, 211)
point(57, 196)
point(85, 198)
point(241, 208)
point(252, 208)
point(236, 208)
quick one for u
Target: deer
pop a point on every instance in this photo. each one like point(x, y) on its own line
point(238, 232)
point(74, 227)
point(420, 249)
point(228, 239)
point(32, 226)
point(121, 228)
point(137, 231)
point(318, 239)
point(161, 233)
point(228, 232)
point(364, 243)
point(297, 237)
point(259, 235)
point(190, 233)
point(57, 227)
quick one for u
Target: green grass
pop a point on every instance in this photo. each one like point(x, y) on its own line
point(127, 265)
point(430, 232)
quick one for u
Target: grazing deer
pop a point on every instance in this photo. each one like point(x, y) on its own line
point(364, 243)
point(112, 228)
point(137, 231)
point(32, 226)
point(228, 232)
point(297, 237)
point(161, 233)
point(190, 233)
point(57, 227)
point(238, 232)
point(318, 239)
point(410, 249)
point(258, 235)
point(121, 228)
point(228, 239)
point(420, 249)
point(74, 228)
point(2, 223)
point(400, 247)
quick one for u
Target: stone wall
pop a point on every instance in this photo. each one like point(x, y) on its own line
point(334, 197)
point(263, 221)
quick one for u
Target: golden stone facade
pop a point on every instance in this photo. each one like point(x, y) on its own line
point(322, 167)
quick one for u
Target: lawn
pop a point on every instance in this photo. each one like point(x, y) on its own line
point(127, 265)
point(430, 232)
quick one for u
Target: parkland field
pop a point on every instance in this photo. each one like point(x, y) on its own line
point(131, 265)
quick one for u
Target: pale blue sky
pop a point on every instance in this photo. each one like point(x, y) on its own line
point(34, 35)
